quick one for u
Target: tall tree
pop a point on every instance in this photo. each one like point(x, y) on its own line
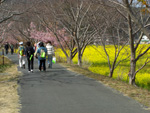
point(10, 11)
point(138, 25)
point(73, 17)
point(110, 27)
point(50, 19)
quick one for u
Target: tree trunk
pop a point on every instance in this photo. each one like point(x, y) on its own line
point(111, 73)
point(79, 58)
point(133, 53)
point(132, 71)
point(69, 59)
point(112, 68)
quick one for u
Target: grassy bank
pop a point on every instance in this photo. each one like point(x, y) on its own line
point(9, 99)
point(7, 63)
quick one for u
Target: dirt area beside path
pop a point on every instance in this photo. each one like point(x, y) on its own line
point(9, 98)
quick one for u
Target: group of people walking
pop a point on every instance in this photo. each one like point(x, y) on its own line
point(39, 51)
point(7, 46)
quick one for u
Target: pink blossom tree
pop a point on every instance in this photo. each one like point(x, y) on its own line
point(41, 35)
point(47, 35)
point(57, 36)
point(7, 35)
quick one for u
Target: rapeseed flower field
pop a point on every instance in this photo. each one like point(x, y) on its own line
point(95, 58)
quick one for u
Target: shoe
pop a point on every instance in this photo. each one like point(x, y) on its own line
point(31, 70)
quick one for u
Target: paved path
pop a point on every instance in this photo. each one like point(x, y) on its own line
point(61, 91)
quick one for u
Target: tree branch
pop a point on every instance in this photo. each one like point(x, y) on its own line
point(143, 65)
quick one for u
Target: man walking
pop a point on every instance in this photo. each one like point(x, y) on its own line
point(50, 53)
point(6, 48)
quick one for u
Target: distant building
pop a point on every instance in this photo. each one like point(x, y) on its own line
point(145, 40)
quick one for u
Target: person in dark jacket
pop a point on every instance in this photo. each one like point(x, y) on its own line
point(30, 56)
point(6, 48)
point(12, 49)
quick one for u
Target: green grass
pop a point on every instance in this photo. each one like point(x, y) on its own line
point(4, 67)
point(7, 64)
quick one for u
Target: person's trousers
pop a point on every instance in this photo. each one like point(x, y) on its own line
point(12, 51)
point(6, 50)
point(30, 63)
point(49, 60)
point(42, 63)
point(38, 62)
point(21, 61)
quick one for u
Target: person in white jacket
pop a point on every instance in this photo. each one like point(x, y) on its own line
point(35, 54)
point(50, 53)
point(21, 55)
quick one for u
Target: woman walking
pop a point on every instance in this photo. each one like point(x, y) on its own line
point(42, 51)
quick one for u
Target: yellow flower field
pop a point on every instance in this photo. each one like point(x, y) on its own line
point(95, 58)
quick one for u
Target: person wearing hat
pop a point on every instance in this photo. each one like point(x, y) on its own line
point(21, 54)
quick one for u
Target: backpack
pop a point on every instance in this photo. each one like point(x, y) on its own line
point(29, 53)
point(42, 53)
point(21, 51)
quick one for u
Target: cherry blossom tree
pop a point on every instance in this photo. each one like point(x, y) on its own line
point(72, 16)
point(11, 10)
point(48, 18)
point(7, 35)
point(46, 35)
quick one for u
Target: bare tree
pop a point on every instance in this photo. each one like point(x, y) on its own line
point(110, 27)
point(10, 11)
point(71, 16)
point(49, 19)
point(138, 25)
point(74, 18)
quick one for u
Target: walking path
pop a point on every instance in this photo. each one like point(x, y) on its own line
point(61, 91)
